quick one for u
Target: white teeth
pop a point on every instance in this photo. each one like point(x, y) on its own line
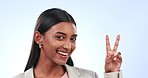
point(65, 54)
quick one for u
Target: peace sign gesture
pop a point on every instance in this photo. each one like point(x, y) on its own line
point(113, 59)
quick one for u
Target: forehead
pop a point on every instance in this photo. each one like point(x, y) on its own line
point(65, 27)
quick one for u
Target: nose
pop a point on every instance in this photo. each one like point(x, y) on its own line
point(67, 46)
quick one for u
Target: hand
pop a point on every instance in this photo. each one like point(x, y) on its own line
point(113, 59)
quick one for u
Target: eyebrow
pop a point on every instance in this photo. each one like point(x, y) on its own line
point(65, 34)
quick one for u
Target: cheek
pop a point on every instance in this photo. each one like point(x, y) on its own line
point(48, 45)
point(73, 47)
point(52, 44)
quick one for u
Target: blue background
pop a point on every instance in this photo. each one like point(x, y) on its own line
point(95, 19)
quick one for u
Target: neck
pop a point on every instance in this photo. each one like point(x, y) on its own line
point(47, 69)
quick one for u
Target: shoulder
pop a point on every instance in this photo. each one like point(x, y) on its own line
point(81, 70)
point(86, 72)
point(26, 74)
point(19, 75)
point(82, 73)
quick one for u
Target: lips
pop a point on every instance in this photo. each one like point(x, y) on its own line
point(62, 53)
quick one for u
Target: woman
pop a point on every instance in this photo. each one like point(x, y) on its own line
point(53, 43)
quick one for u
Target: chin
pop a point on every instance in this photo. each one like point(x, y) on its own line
point(61, 62)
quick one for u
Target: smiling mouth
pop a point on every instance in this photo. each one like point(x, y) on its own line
point(62, 53)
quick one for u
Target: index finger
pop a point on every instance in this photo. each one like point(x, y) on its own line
point(116, 43)
point(108, 48)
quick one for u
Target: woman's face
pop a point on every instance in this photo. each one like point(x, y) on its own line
point(59, 42)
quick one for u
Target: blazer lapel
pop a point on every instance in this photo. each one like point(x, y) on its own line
point(72, 72)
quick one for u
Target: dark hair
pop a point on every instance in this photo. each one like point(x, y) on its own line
point(44, 22)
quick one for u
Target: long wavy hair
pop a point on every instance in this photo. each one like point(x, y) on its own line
point(45, 21)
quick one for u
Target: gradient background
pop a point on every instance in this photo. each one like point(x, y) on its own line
point(95, 19)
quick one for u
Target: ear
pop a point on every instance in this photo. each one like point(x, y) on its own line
point(38, 37)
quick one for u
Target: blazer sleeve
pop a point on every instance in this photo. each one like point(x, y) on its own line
point(113, 75)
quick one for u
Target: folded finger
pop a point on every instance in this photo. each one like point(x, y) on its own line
point(119, 58)
point(110, 59)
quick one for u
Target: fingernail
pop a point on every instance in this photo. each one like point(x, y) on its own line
point(118, 36)
point(107, 37)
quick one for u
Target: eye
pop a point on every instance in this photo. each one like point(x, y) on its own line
point(73, 39)
point(60, 37)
